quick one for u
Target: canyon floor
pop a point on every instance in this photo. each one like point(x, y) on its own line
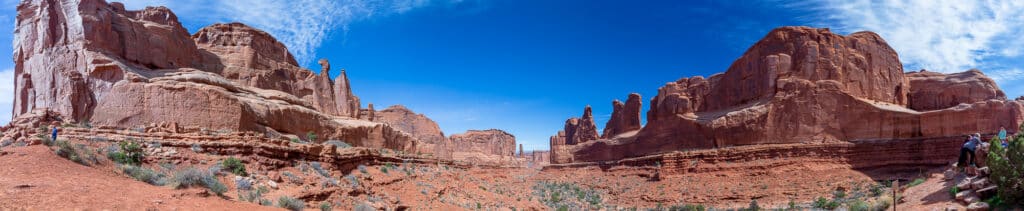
point(34, 177)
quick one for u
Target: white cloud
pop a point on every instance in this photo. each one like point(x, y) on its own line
point(1005, 75)
point(6, 95)
point(938, 35)
point(302, 25)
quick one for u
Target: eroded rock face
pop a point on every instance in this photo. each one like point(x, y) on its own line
point(806, 85)
point(89, 61)
point(68, 54)
point(934, 91)
point(417, 125)
point(252, 57)
point(484, 146)
point(625, 116)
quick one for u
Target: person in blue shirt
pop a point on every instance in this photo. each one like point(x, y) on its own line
point(53, 137)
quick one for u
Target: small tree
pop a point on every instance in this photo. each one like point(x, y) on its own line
point(1005, 165)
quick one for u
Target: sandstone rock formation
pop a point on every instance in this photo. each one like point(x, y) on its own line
point(483, 146)
point(577, 130)
point(934, 91)
point(625, 116)
point(807, 85)
point(89, 61)
point(417, 125)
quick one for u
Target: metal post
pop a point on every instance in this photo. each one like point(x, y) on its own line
point(895, 193)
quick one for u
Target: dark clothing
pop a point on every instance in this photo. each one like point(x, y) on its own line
point(964, 154)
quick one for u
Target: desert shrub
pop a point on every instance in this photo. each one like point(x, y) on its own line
point(266, 202)
point(196, 148)
point(144, 174)
point(290, 203)
point(292, 178)
point(953, 191)
point(75, 152)
point(384, 169)
point(324, 206)
point(820, 202)
point(192, 177)
point(753, 206)
point(882, 203)
point(352, 180)
point(362, 169)
point(235, 166)
point(129, 152)
point(311, 137)
point(362, 206)
point(339, 144)
point(688, 207)
point(254, 196)
point(858, 205)
point(243, 184)
point(916, 182)
point(1006, 171)
point(319, 169)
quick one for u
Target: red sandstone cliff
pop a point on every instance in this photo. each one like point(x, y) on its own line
point(807, 85)
point(484, 146)
point(90, 61)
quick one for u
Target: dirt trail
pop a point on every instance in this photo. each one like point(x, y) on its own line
point(933, 194)
point(36, 177)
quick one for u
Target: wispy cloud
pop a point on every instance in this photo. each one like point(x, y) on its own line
point(302, 25)
point(938, 35)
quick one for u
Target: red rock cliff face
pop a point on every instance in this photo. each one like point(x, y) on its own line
point(805, 85)
point(487, 146)
point(417, 125)
point(934, 91)
point(87, 60)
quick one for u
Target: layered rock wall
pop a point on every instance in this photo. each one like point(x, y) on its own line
point(90, 61)
point(802, 85)
point(484, 146)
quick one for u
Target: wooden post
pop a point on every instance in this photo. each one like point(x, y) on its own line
point(895, 193)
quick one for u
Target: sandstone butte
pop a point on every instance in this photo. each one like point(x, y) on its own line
point(808, 86)
point(87, 61)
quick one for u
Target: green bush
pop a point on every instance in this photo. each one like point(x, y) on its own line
point(290, 203)
point(129, 152)
point(324, 206)
point(235, 165)
point(1007, 169)
point(916, 182)
point(311, 137)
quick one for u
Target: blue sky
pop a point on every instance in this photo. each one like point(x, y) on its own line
point(525, 66)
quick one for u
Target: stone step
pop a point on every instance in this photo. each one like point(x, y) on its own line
point(963, 194)
point(964, 184)
point(984, 171)
point(987, 191)
point(978, 206)
point(979, 183)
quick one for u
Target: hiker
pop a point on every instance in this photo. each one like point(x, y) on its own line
point(1002, 134)
point(53, 136)
point(968, 151)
